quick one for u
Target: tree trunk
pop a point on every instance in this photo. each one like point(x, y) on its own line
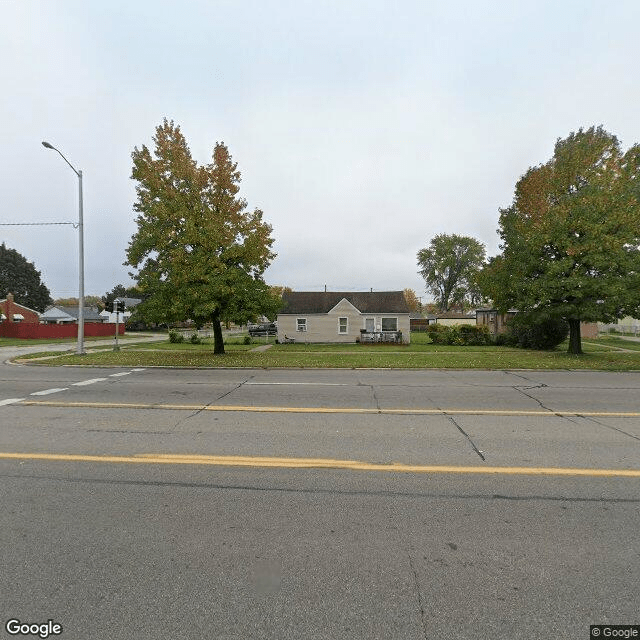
point(575, 342)
point(218, 341)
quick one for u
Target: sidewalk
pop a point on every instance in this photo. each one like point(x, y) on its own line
point(12, 351)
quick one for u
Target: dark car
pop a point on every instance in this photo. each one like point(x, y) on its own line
point(266, 329)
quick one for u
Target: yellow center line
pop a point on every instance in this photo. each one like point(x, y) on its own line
point(343, 410)
point(318, 463)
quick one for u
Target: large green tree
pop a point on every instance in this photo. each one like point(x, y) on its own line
point(571, 237)
point(20, 277)
point(199, 253)
point(449, 265)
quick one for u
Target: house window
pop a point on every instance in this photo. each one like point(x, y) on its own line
point(343, 325)
point(369, 325)
point(301, 324)
point(389, 324)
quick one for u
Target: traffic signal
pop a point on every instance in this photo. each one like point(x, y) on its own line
point(115, 306)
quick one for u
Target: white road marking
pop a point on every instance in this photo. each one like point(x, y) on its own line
point(10, 401)
point(46, 392)
point(84, 383)
point(299, 384)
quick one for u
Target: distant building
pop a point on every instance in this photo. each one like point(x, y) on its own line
point(63, 314)
point(494, 320)
point(11, 311)
point(451, 318)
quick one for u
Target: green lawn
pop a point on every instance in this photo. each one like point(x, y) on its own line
point(599, 354)
point(613, 342)
point(206, 345)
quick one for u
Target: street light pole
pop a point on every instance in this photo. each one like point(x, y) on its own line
point(80, 348)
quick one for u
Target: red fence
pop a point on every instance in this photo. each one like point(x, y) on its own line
point(32, 331)
point(418, 324)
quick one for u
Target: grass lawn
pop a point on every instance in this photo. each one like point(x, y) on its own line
point(599, 354)
point(613, 342)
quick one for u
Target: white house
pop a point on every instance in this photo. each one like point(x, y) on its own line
point(329, 316)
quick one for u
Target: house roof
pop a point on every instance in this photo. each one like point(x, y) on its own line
point(450, 315)
point(62, 312)
point(56, 313)
point(324, 301)
point(17, 304)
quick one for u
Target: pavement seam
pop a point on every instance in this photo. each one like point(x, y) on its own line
point(416, 584)
point(606, 426)
point(467, 436)
point(323, 491)
point(209, 404)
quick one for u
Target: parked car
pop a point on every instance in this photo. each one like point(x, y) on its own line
point(266, 329)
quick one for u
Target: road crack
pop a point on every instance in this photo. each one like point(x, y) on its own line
point(606, 426)
point(204, 407)
point(466, 435)
point(375, 397)
point(416, 584)
point(523, 390)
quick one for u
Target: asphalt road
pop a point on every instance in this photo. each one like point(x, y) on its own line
point(155, 503)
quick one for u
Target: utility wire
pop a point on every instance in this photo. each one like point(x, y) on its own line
point(35, 224)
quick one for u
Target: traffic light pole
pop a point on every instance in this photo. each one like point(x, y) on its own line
point(116, 304)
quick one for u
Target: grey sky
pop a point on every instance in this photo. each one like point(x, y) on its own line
point(361, 128)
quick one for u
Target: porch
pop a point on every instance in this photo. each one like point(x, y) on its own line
point(380, 336)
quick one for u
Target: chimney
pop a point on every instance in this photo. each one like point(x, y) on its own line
point(9, 306)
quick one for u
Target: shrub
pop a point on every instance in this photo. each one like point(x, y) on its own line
point(475, 335)
point(529, 332)
point(195, 339)
point(464, 335)
point(436, 333)
point(176, 337)
point(247, 340)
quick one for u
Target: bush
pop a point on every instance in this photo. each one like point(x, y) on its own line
point(176, 337)
point(533, 333)
point(465, 335)
point(195, 339)
point(436, 333)
point(475, 335)
point(247, 340)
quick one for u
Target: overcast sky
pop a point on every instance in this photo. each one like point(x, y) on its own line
point(362, 128)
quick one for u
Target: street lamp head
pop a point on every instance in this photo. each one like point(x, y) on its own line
point(46, 144)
